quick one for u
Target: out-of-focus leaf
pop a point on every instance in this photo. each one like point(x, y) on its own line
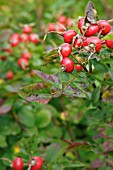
point(96, 94)
point(47, 77)
point(2, 141)
point(5, 109)
point(108, 37)
point(43, 118)
point(38, 92)
point(26, 117)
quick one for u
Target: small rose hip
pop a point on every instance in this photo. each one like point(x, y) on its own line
point(22, 63)
point(9, 75)
point(26, 55)
point(109, 43)
point(24, 37)
point(18, 164)
point(62, 19)
point(37, 163)
point(27, 29)
point(34, 38)
point(65, 49)
point(78, 67)
point(104, 26)
point(94, 43)
point(67, 65)
point(89, 30)
point(68, 36)
point(51, 27)
point(15, 36)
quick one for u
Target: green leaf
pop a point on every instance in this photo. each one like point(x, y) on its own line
point(3, 142)
point(109, 36)
point(55, 152)
point(43, 118)
point(73, 165)
point(96, 94)
point(26, 117)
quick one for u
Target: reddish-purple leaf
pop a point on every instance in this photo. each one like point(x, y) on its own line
point(47, 77)
point(5, 109)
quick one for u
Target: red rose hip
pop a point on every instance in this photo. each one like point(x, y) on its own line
point(94, 43)
point(68, 36)
point(34, 38)
point(67, 65)
point(104, 26)
point(78, 67)
point(38, 163)
point(26, 55)
point(9, 75)
point(65, 49)
point(109, 43)
point(90, 31)
point(23, 63)
point(18, 164)
point(27, 29)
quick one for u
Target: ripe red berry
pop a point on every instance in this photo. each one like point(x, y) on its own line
point(15, 36)
point(62, 19)
point(23, 63)
point(38, 163)
point(15, 39)
point(78, 42)
point(26, 55)
point(51, 27)
point(60, 28)
point(27, 29)
point(9, 75)
point(67, 65)
point(68, 22)
point(93, 42)
point(109, 43)
point(65, 49)
point(3, 58)
point(34, 38)
point(24, 37)
point(90, 31)
point(14, 42)
point(78, 67)
point(68, 36)
point(18, 164)
point(104, 26)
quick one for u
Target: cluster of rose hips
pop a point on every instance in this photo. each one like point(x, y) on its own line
point(26, 37)
point(63, 22)
point(35, 163)
point(89, 40)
